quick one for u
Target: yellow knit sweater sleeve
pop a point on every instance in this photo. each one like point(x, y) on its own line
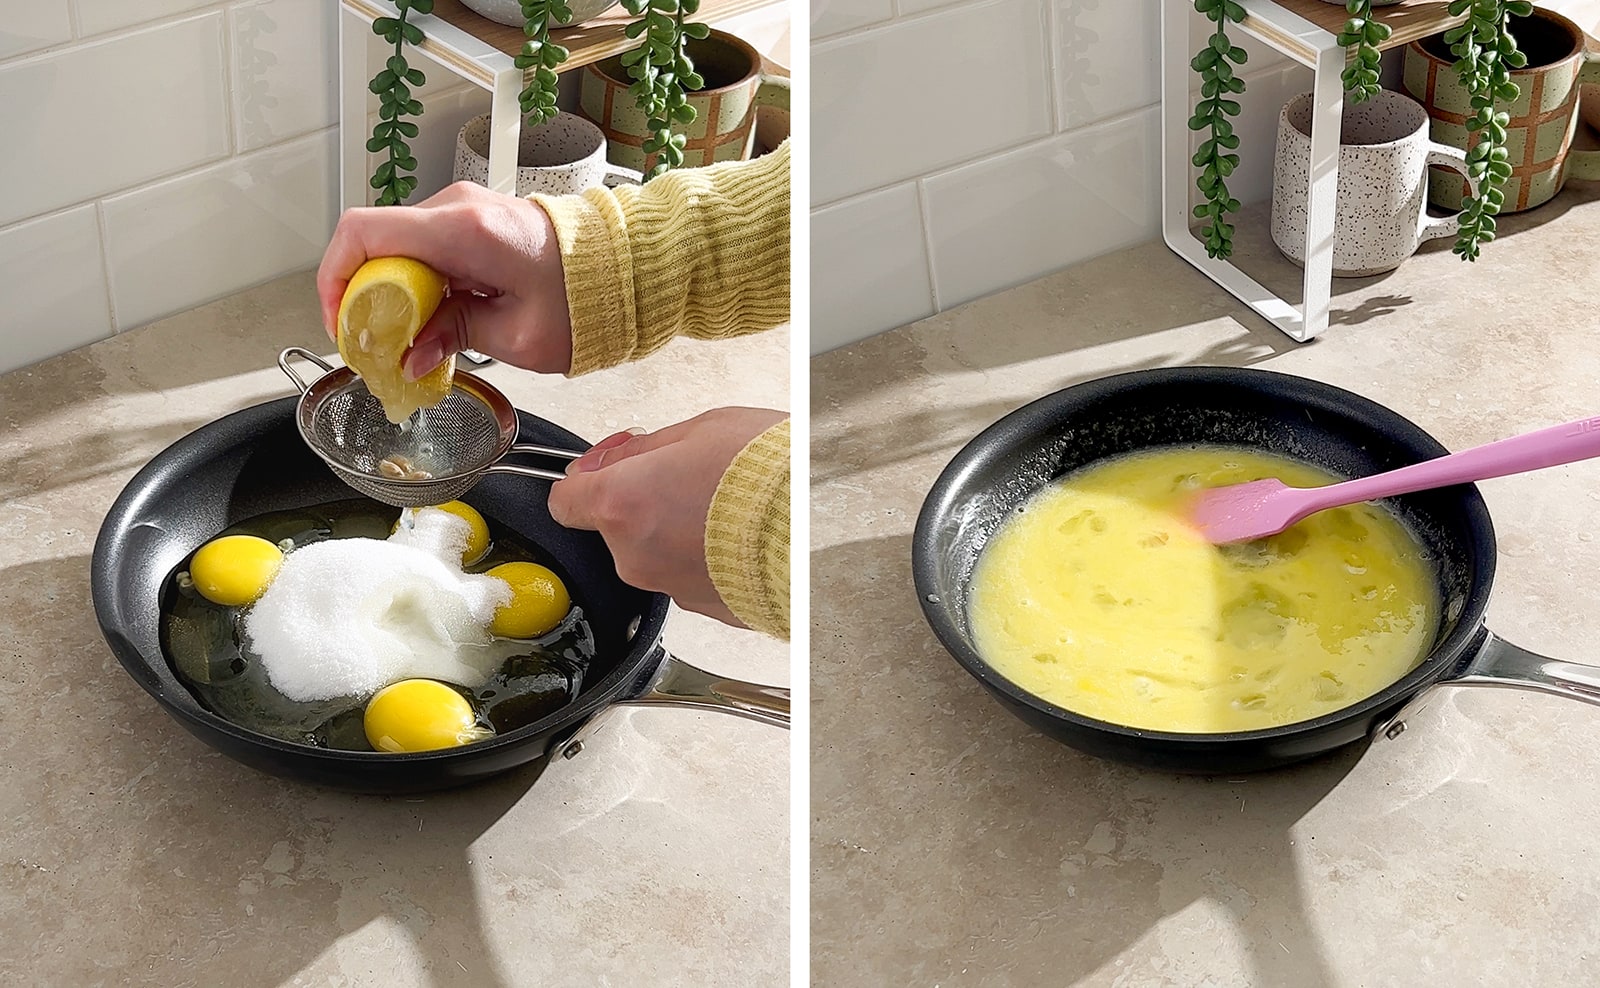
point(702, 253)
point(747, 534)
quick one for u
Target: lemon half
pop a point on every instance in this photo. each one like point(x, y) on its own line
point(387, 303)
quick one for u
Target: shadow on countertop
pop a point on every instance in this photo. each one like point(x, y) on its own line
point(989, 850)
point(135, 849)
point(48, 439)
point(1007, 349)
point(870, 368)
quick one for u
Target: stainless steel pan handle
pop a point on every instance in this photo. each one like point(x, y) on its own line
point(680, 684)
point(676, 683)
point(1502, 665)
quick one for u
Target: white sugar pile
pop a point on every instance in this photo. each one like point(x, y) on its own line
point(347, 617)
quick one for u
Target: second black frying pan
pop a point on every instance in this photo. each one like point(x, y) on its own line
point(1303, 419)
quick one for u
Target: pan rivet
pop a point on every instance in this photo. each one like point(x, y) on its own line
point(572, 749)
point(1395, 730)
point(633, 628)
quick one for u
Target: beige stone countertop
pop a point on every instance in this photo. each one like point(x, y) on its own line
point(132, 854)
point(954, 846)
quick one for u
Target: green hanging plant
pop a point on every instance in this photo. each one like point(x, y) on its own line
point(1486, 52)
point(543, 56)
point(1214, 158)
point(1364, 33)
point(393, 88)
point(663, 73)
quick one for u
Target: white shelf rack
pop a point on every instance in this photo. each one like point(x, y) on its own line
point(1306, 31)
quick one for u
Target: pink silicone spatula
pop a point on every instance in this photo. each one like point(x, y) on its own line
point(1266, 507)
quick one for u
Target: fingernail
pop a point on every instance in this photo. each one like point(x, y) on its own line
point(587, 463)
point(423, 358)
point(635, 431)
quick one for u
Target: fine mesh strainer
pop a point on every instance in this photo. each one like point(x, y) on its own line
point(435, 457)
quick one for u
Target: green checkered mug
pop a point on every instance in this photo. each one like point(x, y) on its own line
point(1543, 117)
point(738, 81)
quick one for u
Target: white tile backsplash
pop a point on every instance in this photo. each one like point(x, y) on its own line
point(1026, 163)
point(110, 115)
point(213, 232)
point(54, 287)
point(1013, 218)
point(285, 67)
point(1107, 58)
point(908, 7)
point(918, 95)
point(869, 270)
point(100, 16)
point(28, 27)
point(830, 17)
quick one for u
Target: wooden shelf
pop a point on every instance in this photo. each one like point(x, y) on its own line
point(1409, 20)
point(591, 41)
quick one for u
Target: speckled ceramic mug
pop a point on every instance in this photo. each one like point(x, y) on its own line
point(1384, 153)
point(559, 157)
point(1561, 59)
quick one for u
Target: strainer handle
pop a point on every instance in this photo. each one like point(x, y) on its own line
point(303, 354)
point(522, 471)
point(564, 454)
point(535, 472)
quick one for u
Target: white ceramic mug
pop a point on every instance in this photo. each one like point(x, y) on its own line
point(562, 156)
point(1384, 153)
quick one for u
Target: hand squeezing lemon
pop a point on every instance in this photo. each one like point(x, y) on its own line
point(388, 301)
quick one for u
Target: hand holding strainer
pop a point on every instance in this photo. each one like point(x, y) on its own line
point(435, 457)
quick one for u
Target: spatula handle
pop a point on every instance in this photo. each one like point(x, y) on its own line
point(1548, 447)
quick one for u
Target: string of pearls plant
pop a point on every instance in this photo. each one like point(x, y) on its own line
point(663, 74)
point(1363, 33)
point(393, 85)
point(660, 66)
point(1214, 157)
point(543, 56)
point(1486, 53)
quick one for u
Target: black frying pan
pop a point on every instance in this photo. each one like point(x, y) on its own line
point(1291, 416)
point(253, 462)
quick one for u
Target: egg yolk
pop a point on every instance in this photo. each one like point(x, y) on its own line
point(420, 715)
point(539, 601)
point(234, 570)
point(477, 540)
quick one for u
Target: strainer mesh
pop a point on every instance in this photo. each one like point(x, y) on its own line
point(454, 442)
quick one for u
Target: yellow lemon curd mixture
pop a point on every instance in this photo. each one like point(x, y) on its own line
point(1098, 596)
